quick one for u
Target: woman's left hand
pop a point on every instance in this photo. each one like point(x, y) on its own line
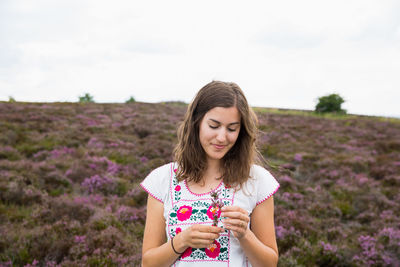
point(237, 220)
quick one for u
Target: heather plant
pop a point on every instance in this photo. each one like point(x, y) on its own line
point(18, 193)
point(9, 153)
point(136, 196)
point(69, 176)
point(79, 171)
point(128, 214)
point(99, 184)
point(63, 207)
point(216, 205)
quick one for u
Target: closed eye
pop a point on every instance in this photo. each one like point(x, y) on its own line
point(215, 127)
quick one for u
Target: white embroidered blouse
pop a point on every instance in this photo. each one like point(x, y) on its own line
point(183, 208)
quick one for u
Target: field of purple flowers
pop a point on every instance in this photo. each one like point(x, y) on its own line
point(69, 176)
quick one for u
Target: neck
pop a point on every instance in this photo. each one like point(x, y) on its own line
point(213, 165)
point(209, 179)
point(213, 170)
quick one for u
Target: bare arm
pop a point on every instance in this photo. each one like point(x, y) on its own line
point(259, 243)
point(157, 251)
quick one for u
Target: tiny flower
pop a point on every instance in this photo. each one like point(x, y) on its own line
point(80, 239)
point(178, 230)
point(298, 157)
point(144, 159)
point(177, 188)
point(214, 211)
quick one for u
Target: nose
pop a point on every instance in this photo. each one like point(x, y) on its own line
point(221, 135)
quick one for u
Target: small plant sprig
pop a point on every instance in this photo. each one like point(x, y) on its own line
point(216, 204)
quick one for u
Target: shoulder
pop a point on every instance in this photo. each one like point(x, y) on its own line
point(157, 181)
point(264, 182)
point(259, 172)
point(260, 186)
point(163, 169)
point(161, 174)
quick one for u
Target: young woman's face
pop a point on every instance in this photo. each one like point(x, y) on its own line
point(219, 130)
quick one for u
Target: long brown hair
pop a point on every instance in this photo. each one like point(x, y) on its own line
point(190, 155)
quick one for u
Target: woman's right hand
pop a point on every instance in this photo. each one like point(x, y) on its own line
point(198, 236)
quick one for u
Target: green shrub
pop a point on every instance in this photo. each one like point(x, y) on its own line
point(330, 103)
point(130, 100)
point(87, 98)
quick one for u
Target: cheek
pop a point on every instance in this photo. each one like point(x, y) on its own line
point(233, 138)
point(208, 133)
point(205, 135)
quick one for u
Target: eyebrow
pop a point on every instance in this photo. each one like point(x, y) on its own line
point(233, 123)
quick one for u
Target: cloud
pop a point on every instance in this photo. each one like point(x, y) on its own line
point(150, 46)
point(282, 53)
point(290, 39)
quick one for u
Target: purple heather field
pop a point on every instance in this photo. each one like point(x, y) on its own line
point(69, 176)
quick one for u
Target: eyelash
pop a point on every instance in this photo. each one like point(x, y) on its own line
point(215, 127)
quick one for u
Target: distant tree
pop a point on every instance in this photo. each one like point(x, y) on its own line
point(11, 99)
point(330, 103)
point(86, 99)
point(130, 100)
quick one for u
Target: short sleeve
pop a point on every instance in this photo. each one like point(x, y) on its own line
point(157, 182)
point(266, 184)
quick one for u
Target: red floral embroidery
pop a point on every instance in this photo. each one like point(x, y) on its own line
point(178, 188)
point(213, 250)
point(184, 213)
point(211, 211)
point(178, 230)
point(187, 253)
point(175, 170)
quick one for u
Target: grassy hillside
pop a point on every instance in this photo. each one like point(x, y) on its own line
point(69, 176)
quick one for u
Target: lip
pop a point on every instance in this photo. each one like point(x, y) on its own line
point(219, 146)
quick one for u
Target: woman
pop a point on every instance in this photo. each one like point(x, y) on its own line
point(215, 153)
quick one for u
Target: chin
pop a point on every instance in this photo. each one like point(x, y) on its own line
point(216, 156)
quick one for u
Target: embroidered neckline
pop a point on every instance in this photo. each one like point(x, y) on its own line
point(202, 194)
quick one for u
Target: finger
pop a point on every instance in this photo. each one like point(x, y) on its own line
point(234, 208)
point(201, 243)
point(236, 215)
point(238, 231)
point(209, 229)
point(205, 236)
point(235, 222)
point(216, 229)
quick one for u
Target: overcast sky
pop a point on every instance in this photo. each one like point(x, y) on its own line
point(282, 54)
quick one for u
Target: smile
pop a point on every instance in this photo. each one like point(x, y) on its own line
point(218, 146)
